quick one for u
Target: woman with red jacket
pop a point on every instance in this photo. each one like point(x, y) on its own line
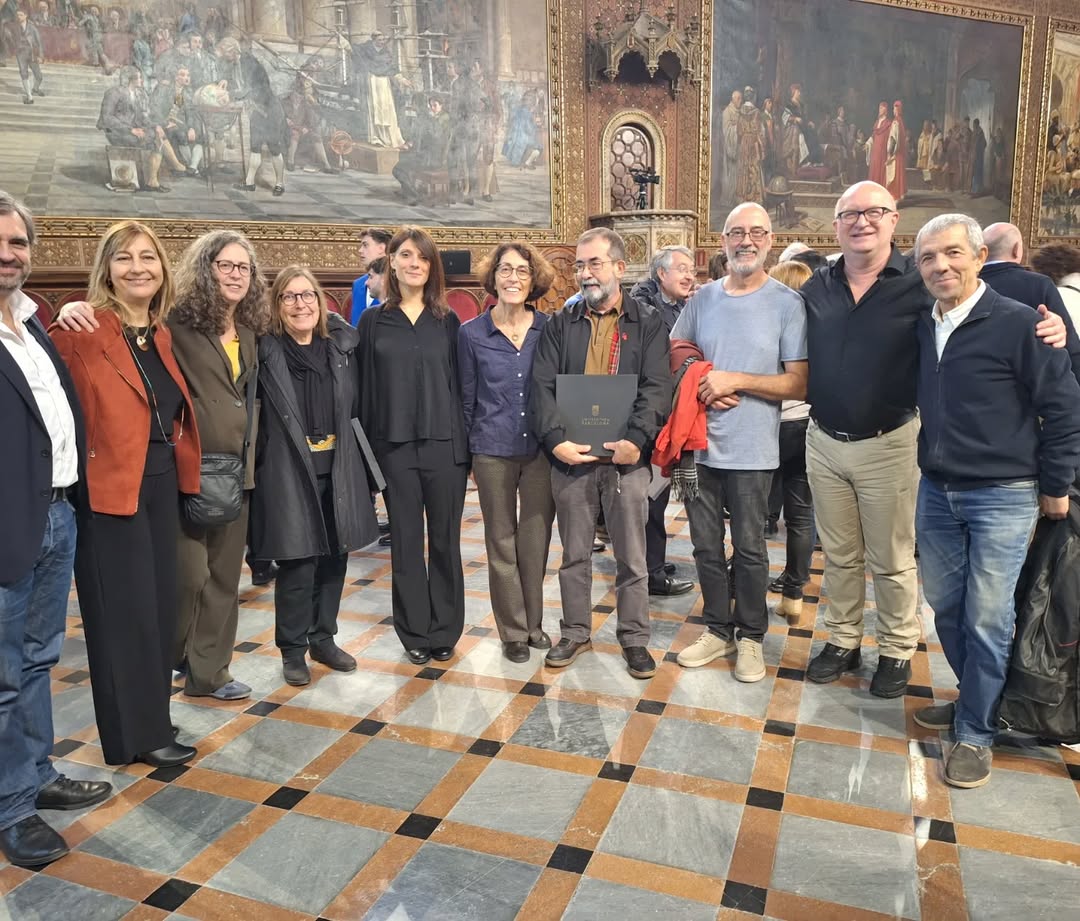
point(142, 450)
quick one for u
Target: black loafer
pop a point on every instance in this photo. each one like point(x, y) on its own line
point(65, 793)
point(669, 569)
point(669, 586)
point(418, 656)
point(638, 662)
point(891, 678)
point(332, 656)
point(169, 756)
point(516, 652)
point(296, 671)
point(264, 574)
point(832, 662)
point(32, 843)
point(565, 652)
point(779, 583)
point(442, 653)
point(543, 641)
point(384, 541)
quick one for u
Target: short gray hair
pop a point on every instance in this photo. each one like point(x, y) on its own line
point(616, 247)
point(662, 259)
point(943, 222)
point(11, 205)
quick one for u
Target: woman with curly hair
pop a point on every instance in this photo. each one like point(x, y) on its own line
point(220, 310)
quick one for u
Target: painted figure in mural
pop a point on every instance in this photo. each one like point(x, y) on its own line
point(841, 132)
point(466, 124)
point(523, 145)
point(303, 113)
point(978, 158)
point(172, 107)
point(967, 154)
point(879, 144)
point(247, 81)
point(142, 55)
point(896, 161)
point(999, 164)
point(376, 73)
point(768, 128)
point(935, 157)
point(922, 153)
point(43, 15)
point(91, 24)
point(28, 54)
point(426, 152)
point(729, 120)
point(801, 145)
point(490, 126)
point(749, 183)
point(187, 52)
point(214, 26)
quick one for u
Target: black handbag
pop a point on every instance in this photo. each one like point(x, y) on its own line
point(221, 478)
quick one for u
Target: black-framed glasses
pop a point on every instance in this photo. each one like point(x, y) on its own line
point(737, 234)
point(227, 267)
point(289, 297)
point(872, 215)
point(593, 265)
point(505, 270)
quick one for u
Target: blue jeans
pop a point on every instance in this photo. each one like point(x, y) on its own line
point(32, 616)
point(972, 545)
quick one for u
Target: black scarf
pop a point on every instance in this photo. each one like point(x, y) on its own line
point(309, 366)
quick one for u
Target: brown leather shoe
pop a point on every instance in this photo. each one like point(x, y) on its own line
point(565, 652)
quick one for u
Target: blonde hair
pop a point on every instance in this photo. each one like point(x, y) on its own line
point(284, 277)
point(100, 294)
point(791, 273)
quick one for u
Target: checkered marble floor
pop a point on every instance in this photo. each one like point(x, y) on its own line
point(479, 789)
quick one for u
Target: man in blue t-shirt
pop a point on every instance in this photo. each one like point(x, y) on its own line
point(373, 244)
point(752, 329)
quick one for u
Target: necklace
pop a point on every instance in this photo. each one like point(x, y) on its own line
point(515, 333)
point(142, 338)
point(143, 343)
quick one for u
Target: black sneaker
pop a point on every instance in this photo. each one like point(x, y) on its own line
point(638, 662)
point(832, 662)
point(331, 655)
point(891, 678)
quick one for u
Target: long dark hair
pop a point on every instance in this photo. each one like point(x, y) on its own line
point(435, 288)
point(199, 303)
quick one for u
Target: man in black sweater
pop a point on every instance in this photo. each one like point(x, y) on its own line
point(1000, 443)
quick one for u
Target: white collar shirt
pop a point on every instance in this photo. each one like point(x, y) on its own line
point(945, 324)
point(44, 383)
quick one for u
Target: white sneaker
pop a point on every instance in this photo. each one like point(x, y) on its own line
point(751, 664)
point(704, 649)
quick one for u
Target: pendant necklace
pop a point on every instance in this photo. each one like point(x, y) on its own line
point(141, 338)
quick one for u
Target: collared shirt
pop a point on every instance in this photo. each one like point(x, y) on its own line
point(945, 324)
point(44, 382)
point(604, 327)
point(496, 377)
point(864, 357)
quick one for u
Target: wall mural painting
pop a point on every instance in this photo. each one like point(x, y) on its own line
point(1059, 213)
point(810, 96)
point(378, 111)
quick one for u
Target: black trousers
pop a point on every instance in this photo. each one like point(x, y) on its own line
point(798, 504)
point(656, 536)
point(307, 593)
point(125, 573)
point(422, 481)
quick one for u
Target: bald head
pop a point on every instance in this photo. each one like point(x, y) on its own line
point(747, 240)
point(1004, 243)
point(749, 213)
point(865, 191)
point(865, 221)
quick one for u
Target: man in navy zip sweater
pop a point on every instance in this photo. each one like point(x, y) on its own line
point(1000, 442)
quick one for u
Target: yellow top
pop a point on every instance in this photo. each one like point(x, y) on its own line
point(232, 349)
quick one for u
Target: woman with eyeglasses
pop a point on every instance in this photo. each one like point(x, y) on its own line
point(513, 476)
point(142, 451)
point(310, 506)
point(411, 406)
point(220, 310)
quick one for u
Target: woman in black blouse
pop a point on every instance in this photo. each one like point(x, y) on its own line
point(411, 407)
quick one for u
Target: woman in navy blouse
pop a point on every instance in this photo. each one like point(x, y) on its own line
point(495, 356)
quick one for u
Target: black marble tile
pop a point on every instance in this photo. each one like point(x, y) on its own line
point(479, 631)
point(262, 708)
point(363, 582)
point(171, 894)
point(168, 774)
point(368, 727)
point(431, 674)
point(65, 747)
point(570, 859)
point(1074, 771)
point(603, 609)
point(810, 599)
point(285, 798)
point(418, 826)
point(765, 799)
point(799, 631)
point(921, 647)
point(919, 690)
point(671, 657)
point(533, 689)
point(76, 677)
point(614, 771)
point(930, 748)
point(489, 748)
point(387, 621)
point(247, 646)
point(655, 707)
point(939, 830)
point(792, 674)
point(746, 898)
point(696, 619)
point(779, 728)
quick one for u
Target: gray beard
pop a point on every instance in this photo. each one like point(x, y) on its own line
point(594, 295)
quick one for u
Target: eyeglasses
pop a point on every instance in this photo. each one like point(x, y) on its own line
point(289, 298)
point(505, 270)
point(737, 235)
point(225, 267)
point(872, 215)
point(681, 270)
point(593, 265)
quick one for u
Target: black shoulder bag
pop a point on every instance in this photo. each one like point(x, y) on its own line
point(221, 477)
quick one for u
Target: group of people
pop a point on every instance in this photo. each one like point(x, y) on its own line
point(176, 416)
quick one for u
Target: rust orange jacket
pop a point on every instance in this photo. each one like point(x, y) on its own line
point(118, 414)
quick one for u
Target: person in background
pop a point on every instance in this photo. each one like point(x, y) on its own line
point(309, 508)
point(373, 243)
point(143, 450)
point(410, 405)
point(718, 265)
point(495, 356)
point(790, 476)
point(1060, 262)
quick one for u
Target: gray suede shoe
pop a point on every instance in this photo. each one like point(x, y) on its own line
point(968, 765)
point(939, 717)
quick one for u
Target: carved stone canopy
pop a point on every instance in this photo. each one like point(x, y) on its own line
point(676, 53)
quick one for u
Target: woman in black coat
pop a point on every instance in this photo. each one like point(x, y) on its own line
point(310, 505)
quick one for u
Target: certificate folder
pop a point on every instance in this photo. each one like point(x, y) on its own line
point(595, 407)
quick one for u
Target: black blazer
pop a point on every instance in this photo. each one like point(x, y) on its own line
point(26, 459)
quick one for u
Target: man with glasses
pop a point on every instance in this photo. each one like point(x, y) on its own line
point(862, 313)
point(752, 329)
point(606, 333)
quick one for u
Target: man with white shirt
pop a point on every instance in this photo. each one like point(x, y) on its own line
point(39, 457)
point(1000, 443)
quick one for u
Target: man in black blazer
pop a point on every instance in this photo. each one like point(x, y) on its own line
point(1004, 272)
point(40, 456)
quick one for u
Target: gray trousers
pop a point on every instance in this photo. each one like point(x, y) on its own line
point(624, 499)
point(517, 539)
